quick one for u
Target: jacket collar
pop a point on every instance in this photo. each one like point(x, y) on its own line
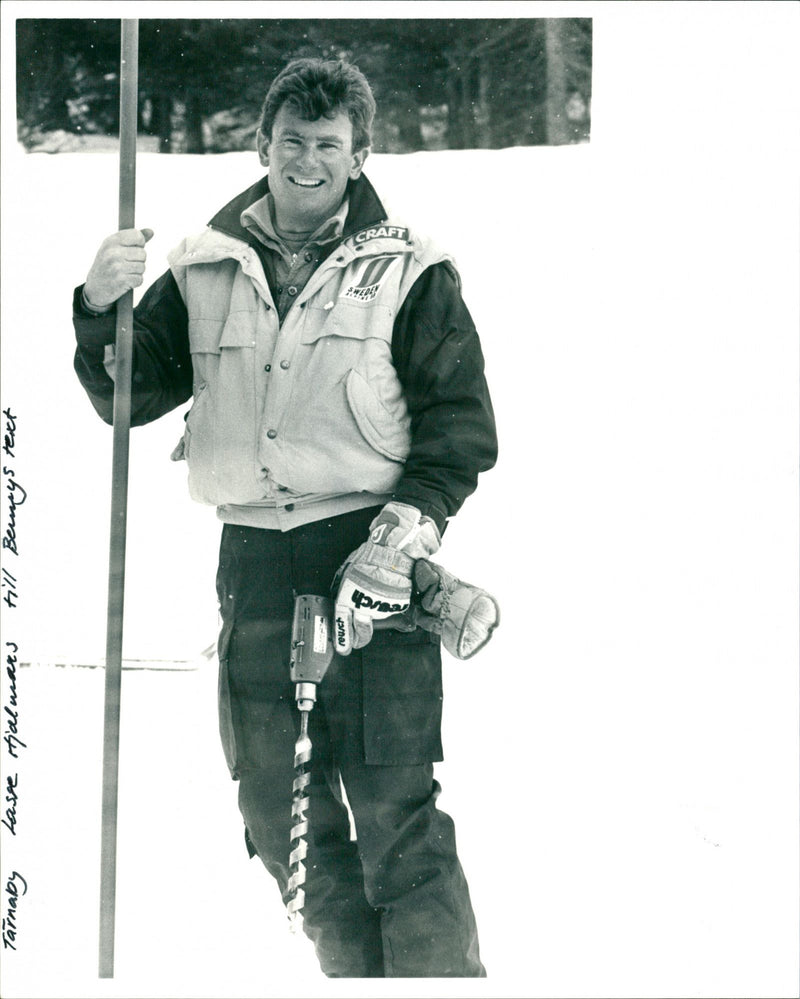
point(365, 209)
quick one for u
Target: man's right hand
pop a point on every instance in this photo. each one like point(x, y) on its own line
point(118, 267)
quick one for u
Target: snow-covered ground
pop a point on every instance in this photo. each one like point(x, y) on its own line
point(622, 760)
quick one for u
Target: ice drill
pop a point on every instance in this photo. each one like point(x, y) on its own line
point(312, 653)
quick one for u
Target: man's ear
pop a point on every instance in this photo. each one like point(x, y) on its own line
point(357, 164)
point(262, 145)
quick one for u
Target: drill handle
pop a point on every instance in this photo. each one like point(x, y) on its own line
point(312, 648)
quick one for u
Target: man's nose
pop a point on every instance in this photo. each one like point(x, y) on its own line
point(307, 157)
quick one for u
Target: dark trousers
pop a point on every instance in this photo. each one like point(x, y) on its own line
point(391, 901)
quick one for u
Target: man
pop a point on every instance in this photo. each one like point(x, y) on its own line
point(340, 416)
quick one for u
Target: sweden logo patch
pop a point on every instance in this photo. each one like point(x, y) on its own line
point(368, 281)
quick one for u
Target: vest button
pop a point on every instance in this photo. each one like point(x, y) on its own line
point(285, 365)
point(268, 367)
point(292, 290)
point(272, 434)
point(289, 507)
point(308, 258)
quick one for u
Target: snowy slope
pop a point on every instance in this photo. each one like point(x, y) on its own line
point(621, 761)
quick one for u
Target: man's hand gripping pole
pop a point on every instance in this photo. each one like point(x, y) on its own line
point(312, 653)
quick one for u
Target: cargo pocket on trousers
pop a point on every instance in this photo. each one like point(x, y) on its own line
point(226, 730)
point(402, 691)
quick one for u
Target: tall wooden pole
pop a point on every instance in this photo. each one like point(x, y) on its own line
point(128, 117)
point(558, 131)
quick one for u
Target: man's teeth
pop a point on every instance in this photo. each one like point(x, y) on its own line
point(301, 182)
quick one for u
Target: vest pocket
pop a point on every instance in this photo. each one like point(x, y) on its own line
point(387, 433)
point(204, 336)
point(220, 432)
point(238, 330)
point(208, 336)
point(353, 322)
point(192, 417)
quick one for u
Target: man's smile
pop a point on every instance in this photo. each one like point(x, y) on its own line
point(306, 182)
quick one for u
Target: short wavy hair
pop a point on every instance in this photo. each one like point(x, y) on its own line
point(316, 88)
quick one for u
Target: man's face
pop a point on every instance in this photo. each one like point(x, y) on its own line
point(309, 163)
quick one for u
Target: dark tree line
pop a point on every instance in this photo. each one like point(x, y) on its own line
point(439, 83)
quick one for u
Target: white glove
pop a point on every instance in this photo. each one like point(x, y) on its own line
point(375, 580)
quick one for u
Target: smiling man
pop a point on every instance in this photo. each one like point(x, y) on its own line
point(339, 417)
point(310, 163)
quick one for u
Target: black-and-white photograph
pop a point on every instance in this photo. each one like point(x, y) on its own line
point(400, 505)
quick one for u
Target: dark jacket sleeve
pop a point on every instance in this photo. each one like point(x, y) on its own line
point(161, 376)
point(439, 361)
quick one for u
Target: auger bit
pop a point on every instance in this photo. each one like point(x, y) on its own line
point(312, 653)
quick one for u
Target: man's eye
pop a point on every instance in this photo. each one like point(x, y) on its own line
point(291, 142)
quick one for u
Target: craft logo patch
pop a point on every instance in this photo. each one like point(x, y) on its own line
point(368, 282)
point(381, 231)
